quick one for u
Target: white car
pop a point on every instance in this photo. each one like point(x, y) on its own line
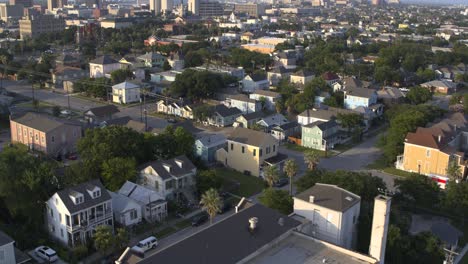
point(146, 244)
point(46, 253)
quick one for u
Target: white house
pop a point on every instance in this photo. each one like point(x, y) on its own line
point(243, 103)
point(251, 83)
point(127, 212)
point(8, 253)
point(333, 211)
point(74, 213)
point(169, 178)
point(356, 97)
point(176, 61)
point(103, 65)
point(126, 92)
point(270, 98)
point(301, 77)
point(152, 206)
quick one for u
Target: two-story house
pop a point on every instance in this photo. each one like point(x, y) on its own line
point(249, 120)
point(74, 213)
point(9, 254)
point(302, 77)
point(223, 116)
point(102, 66)
point(44, 133)
point(152, 206)
point(251, 83)
point(243, 103)
point(267, 98)
point(205, 147)
point(333, 211)
point(125, 93)
point(169, 178)
point(152, 59)
point(100, 114)
point(248, 151)
point(356, 97)
point(277, 74)
point(320, 135)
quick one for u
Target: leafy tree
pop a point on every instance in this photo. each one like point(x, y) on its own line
point(211, 203)
point(166, 66)
point(196, 85)
point(121, 75)
point(311, 158)
point(418, 190)
point(208, 179)
point(104, 240)
point(350, 121)
point(263, 102)
point(456, 198)
point(426, 74)
point(465, 103)
point(193, 59)
point(121, 238)
point(116, 171)
point(56, 111)
point(419, 95)
point(453, 169)
point(290, 169)
point(279, 200)
point(203, 112)
point(271, 175)
point(184, 141)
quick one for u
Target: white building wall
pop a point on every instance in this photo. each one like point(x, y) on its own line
point(8, 253)
point(304, 120)
point(56, 219)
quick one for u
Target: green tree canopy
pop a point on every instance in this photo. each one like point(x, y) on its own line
point(116, 171)
point(419, 95)
point(208, 179)
point(279, 200)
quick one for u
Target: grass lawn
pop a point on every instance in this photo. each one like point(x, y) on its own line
point(183, 224)
point(397, 172)
point(40, 104)
point(381, 164)
point(299, 148)
point(248, 185)
point(165, 232)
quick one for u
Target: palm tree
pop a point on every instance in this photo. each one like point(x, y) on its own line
point(271, 175)
point(312, 158)
point(453, 170)
point(4, 60)
point(290, 168)
point(211, 203)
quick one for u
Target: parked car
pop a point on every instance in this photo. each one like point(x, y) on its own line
point(171, 120)
point(146, 244)
point(281, 182)
point(199, 219)
point(46, 253)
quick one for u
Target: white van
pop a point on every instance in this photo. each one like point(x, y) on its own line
point(146, 244)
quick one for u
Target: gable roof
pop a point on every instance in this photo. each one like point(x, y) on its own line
point(228, 241)
point(328, 76)
point(175, 171)
point(211, 140)
point(103, 60)
point(139, 193)
point(274, 119)
point(323, 125)
point(88, 201)
point(303, 73)
point(104, 110)
point(257, 77)
point(360, 92)
point(125, 85)
point(267, 93)
point(225, 111)
point(254, 115)
point(42, 122)
point(242, 98)
point(330, 196)
point(249, 136)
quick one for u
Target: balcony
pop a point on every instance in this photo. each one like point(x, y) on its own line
point(83, 224)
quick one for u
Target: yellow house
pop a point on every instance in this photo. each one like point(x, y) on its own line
point(429, 151)
point(247, 151)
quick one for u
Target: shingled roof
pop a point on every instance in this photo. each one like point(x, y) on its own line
point(330, 196)
point(83, 189)
point(42, 122)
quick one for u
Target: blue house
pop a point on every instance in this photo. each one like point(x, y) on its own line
point(206, 146)
point(356, 97)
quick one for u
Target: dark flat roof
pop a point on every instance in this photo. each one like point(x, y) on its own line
point(228, 241)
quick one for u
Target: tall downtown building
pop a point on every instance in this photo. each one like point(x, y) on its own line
point(161, 6)
point(194, 6)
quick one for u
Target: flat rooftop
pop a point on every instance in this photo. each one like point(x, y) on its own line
point(299, 249)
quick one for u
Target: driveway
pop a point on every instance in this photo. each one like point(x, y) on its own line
point(37, 259)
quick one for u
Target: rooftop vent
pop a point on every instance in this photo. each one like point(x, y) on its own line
point(281, 221)
point(253, 223)
point(349, 198)
point(311, 199)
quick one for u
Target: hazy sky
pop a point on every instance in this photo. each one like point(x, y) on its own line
point(438, 2)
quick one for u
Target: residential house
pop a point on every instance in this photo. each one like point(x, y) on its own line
point(249, 120)
point(68, 60)
point(282, 132)
point(356, 97)
point(430, 150)
point(125, 93)
point(247, 36)
point(74, 213)
point(97, 115)
point(269, 121)
point(350, 83)
point(277, 74)
point(223, 116)
point(328, 113)
point(286, 59)
point(152, 206)
point(165, 77)
point(251, 83)
point(169, 178)
point(102, 66)
point(333, 212)
point(319, 99)
point(205, 147)
point(127, 212)
point(320, 135)
point(248, 151)
point(243, 103)
point(176, 61)
point(390, 96)
point(440, 86)
point(65, 77)
point(270, 98)
point(41, 132)
point(9, 254)
point(353, 59)
point(330, 78)
point(302, 77)
point(152, 59)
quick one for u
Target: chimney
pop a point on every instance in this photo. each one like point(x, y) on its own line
point(311, 199)
point(253, 223)
point(380, 222)
point(439, 138)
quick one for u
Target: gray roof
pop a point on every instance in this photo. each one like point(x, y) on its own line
point(225, 111)
point(303, 73)
point(104, 110)
point(212, 140)
point(5, 239)
point(360, 92)
point(323, 125)
point(287, 126)
point(125, 85)
point(330, 196)
point(176, 171)
point(227, 241)
point(242, 98)
point(88, 200)
point(326, 114)
point(267, 93)
point(42, 122)
point(106, 59)
point(258, 77)
point(249, 136)
point(254, 115)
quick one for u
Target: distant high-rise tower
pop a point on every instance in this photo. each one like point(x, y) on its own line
point(380, 222)
point(194, 6)
point(393, 2)
point(25, 3)
point(155, 6)
point(376, 2)
point(51, 4)
point(167, 5)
